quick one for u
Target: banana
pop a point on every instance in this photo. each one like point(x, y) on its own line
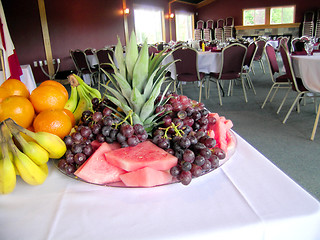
point(53, 144)
point(32, 149)
point(72, 102)
point(83, 104)
point(7, 169)
point(91, 92)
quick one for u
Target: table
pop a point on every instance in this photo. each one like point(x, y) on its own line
point(27, 77)
point(273, 43)
point(247, 198)
point(308, 69)
point(208, 62)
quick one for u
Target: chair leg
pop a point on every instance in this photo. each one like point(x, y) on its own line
point(262, 66)
point(252, 69)
point(208, 89)
point(181, 88)
point(229, 88)
point(284, 99)
point(316, 121)
point(274, 93)
point(200, 91)
point(219, 93)
point(290, 110)
point(251, 84)
point(264, 103)
point(244, 90)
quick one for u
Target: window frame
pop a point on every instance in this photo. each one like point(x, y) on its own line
point(268, 16)
point(151, 8)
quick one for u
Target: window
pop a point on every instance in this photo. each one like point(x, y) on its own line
point(254, 16)
point(148, 24)
point(184, 26)
point(282, 15)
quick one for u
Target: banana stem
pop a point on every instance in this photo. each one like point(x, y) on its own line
point(16, 129)
point(73, 80)
point(3, 143)
point(8, 138)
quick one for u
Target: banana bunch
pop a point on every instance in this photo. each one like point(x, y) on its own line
point(27, 159)
point(81, 95)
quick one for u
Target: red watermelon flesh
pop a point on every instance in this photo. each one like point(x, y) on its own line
point(97, 170)
point(146, 177)
point(145, 154)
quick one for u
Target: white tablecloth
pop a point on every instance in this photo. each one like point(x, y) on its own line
point(27, 77)
point(208, 62)
point(273, 43)
point(247, 198)
point(308, 69)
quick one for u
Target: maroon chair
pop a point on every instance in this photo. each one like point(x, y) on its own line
point(187, 67)
point(247, 66)
point(103, 56)
point(232, 61)
point(296, 83)
point(82, 65)
point(261, 43)
point(277, 82)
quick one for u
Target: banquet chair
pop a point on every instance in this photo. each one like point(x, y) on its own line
point(187, 67)
point(259, 54)
point(247, 66)
point(296, 83)
point(232, 60)
point(103, 56)
point(277, 81)
point(82, 65)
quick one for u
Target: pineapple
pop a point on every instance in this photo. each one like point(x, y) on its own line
point(137, 82)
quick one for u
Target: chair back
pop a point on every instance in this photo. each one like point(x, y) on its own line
point(232, 61)
point(89, 51)
point(251, 52)
point(152, 50)
point(103, 57)
point(80, 60)
point(187, 63)
point(260, 44)
point(271, 59)
point(286, 59)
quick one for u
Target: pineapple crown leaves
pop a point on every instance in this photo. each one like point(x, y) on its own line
point(137, 81)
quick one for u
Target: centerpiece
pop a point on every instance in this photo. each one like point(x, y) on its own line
point(140, 134)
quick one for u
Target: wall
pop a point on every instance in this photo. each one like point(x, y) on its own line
point(225, 8)
point(72, 24)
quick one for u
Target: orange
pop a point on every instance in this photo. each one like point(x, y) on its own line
point(56, 84)
point(53, 121)
point(16, 87)
point(3, 94)
point(47, 97)
point(19, 109)
point(71, 116)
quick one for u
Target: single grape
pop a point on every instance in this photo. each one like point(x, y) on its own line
point(68, 141)
point(199, 160)
point(168, 107)
point(210, 142)
point(182, 114)
point(189, 111)
point(187, 129)
point(212, 119)
point(62, 163)
point(80, 158)
point(185, 177)
point(205, 152)
point(188, 156)
point(69, 158)
point(196, 170)
point(175, 171)
point(170, 150)
point(106, 112)
point(124, 144)
point(108, 140)
point(76, 148)
point(95, 128)
point(219, 153)
point(100, 138)
point(203, 121)
point(214, 160)
point(204, 112)
point(108, 121)
point(185, 142)
point(76, 137)
point(133, 141)
point(138, 129)
point(188, 121)
point(196, 115)
point(158, 132)
point(106, 130)
point(198, 146)
point(206, 165)
point(193, 139)
point(127, 130)
point(121, 138)
point(186, 166)
point(95, 101)
point(143, 137)
point(163, 143)
point(178, 122)
point(160, 109)
point(167, 120)
point(113, 134)
point(88, 150)
point(85, 131)
point(200, 134)
point(69, 169)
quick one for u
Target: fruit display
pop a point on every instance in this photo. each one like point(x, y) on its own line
point(23, 158)
point(142, 135)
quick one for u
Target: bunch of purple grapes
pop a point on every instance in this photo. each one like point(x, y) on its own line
point(184, 135)
point(101, 126)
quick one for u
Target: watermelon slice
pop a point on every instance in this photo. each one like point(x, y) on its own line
point(146, 177)
point(97, 170)
point(145, 154)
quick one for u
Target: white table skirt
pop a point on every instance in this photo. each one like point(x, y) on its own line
point(27, 77)
point(247, 198)
point(308, 69)
point(208, 62)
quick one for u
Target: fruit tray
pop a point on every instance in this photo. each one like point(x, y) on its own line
point(230, 153)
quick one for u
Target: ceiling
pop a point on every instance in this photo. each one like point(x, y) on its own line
point(197, 3)
point(192, 1)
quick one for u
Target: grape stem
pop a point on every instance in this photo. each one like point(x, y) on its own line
point(175, 127)
point(125, 119)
